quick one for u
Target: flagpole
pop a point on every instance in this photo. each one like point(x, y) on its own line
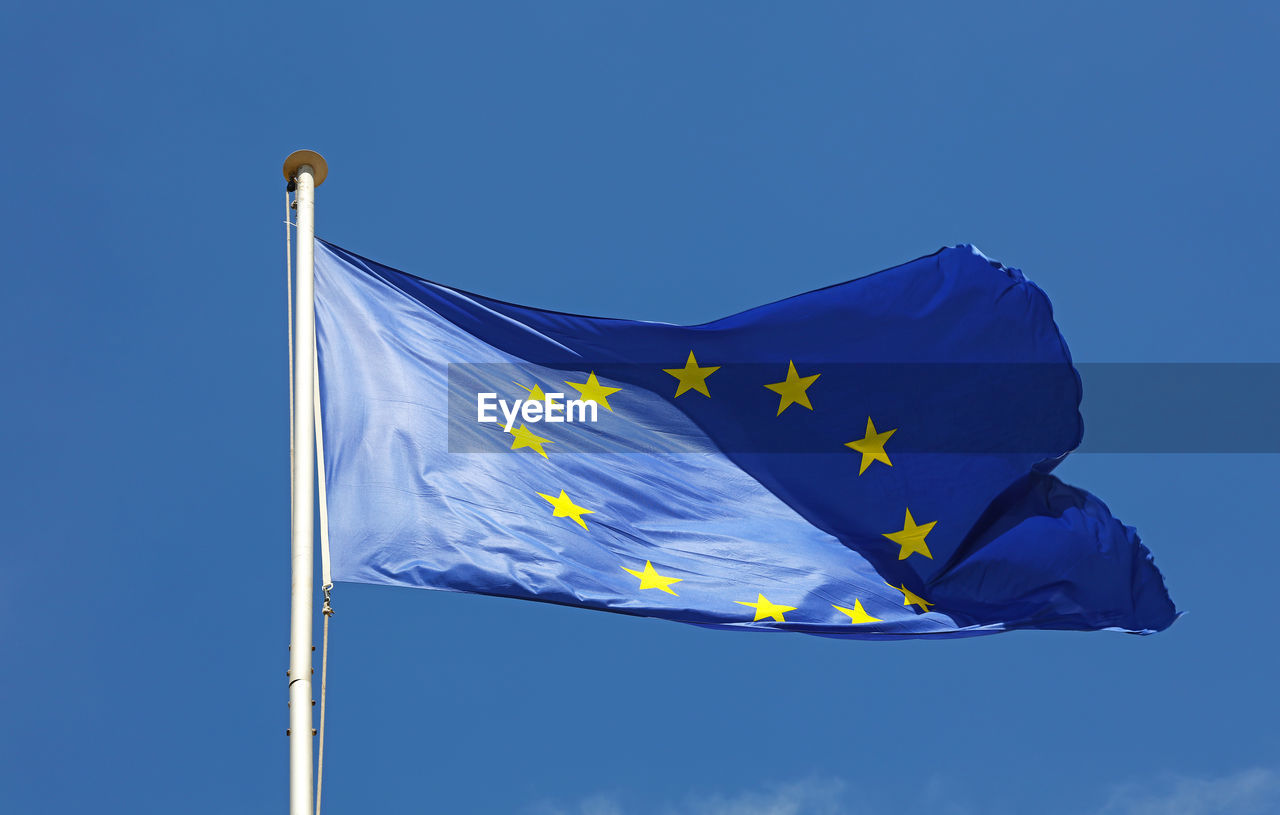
point(305, 169)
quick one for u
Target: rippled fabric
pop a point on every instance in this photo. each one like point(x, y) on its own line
point(729, 508)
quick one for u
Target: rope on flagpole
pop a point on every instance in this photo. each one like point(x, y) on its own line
point(326, 576)
point(326, 579)
point(288, 286)
point(324, 679)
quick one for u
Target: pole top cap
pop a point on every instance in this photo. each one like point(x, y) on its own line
point(319, 167)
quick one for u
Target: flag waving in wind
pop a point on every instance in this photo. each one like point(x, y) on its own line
point(868, 460)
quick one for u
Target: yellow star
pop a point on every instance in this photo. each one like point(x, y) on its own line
point(650, 579)
point(909, 598)
point(911, 538)
point(872, 446)
point(565, 508)
point(692, 377)
point(524, 437)
point(593, 391)
point(857, 615)
point(792, 389)
point(766, 609)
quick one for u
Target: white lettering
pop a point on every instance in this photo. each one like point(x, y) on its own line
point(510, 414)
point(531, 411)
point(582, 410)
point(555, 410)
point(552, 408)
point(484, 407)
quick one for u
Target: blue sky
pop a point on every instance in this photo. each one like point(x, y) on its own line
point(669, 161)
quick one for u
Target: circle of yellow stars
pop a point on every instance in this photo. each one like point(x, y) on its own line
point(792, 390)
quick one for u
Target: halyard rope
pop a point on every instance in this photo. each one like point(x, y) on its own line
point(324, 677)
point(288, 287)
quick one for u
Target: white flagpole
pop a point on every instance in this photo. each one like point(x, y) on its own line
point(306, 169)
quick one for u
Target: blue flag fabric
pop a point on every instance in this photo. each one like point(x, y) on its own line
point(869, 460)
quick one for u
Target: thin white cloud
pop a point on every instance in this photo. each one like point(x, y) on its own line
point(810, 797)
point(1248, 792)
point(600, 805)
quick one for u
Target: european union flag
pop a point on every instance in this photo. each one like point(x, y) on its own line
point(867, 460)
